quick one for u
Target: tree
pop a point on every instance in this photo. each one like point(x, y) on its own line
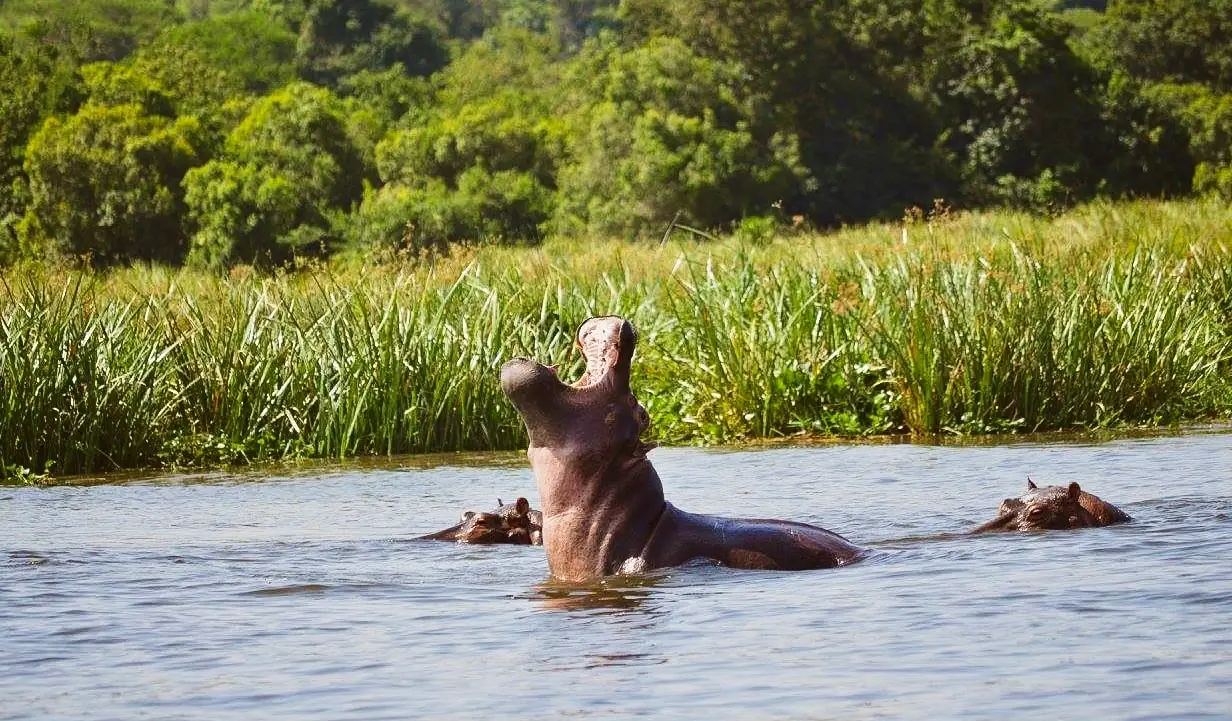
point(35, 83)
point(1019, 109)
point(658, 131)
point(1174, 41)
point(338, 38)
point(865, 140)
point(89, 30)
point(1174, 59)
point(249, 46)
point(1206, 116)
point(105, 184)
point(285, 171)
point(478, 165)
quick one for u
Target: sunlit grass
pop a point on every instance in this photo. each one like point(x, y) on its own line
point(1106, 316)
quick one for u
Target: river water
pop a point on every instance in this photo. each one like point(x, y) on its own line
point(301, 596)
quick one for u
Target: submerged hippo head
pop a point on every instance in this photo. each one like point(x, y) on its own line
point(1053, 508)
point(515, 523)
point(598, 412)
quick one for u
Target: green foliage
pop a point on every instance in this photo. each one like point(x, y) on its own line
point(1013, 94)
point(666, 132)
point(251, 47)
point(1207, 117)
point(483, 207)
point(512, 120)
point(34, 84)
point(376, 101)
point(341, 37)
point(976, 324)
point(863, 139)
point(283, 172)
point(501, 133)
point(1173, 41)
point(105, 184)
point(481, 166)
point(88, 30)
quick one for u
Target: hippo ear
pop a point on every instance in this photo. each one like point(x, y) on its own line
point(1031, 484)
point(499, 502)
point(523, 506)
point(1075, 491)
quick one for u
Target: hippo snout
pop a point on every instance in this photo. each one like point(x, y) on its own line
point(520, 374)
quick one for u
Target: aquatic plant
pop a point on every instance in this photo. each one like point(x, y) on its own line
point(1108, 316)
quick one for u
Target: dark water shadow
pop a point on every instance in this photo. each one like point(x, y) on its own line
point(1091, 437)
point(302, 468)
point(312, 588)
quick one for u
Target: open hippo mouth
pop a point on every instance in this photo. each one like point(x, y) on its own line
point(607, 344)
point(602, 342)
point(551, 407)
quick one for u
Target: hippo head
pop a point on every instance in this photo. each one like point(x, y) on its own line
point(515, 523)
point(598, 414)
point(522, 523)
point(1047, 508)
point(481, 527)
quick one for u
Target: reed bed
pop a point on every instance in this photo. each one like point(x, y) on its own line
point(1107, 316)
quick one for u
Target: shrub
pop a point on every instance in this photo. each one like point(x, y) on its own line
point(105, 184)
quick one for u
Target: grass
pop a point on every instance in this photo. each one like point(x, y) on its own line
point(1110, 315)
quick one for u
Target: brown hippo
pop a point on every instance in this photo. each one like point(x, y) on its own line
point(603, 507)
point(515, 522)
point(1053, 508)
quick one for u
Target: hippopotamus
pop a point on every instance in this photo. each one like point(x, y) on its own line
point(1053, 508)
point(515, 523)
point(604, 511)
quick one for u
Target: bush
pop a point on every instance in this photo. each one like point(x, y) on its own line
point(1207, 117)
point(286, 170)
point(105, 184)
point(666, 132)
point(485, 207)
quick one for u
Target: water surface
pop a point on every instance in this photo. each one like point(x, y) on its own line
point(300, 595)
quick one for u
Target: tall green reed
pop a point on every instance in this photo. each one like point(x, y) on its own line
point(983, 325)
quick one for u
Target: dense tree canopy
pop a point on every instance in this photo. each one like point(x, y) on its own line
point(225, 131)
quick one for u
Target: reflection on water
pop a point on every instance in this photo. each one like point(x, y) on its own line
point(289, 590)
point(619, 594)
point(294, 593)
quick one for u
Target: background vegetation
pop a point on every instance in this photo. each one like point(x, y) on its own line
point(222, 132)
point(1105, 316)
point(251, 229)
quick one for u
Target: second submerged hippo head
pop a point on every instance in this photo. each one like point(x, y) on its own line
point(1053, 508)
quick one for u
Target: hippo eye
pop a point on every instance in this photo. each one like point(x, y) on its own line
point(1035, 513)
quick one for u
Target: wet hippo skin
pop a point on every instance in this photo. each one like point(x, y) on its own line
point(604, 510)
point(1053, 508)
point(515, 523)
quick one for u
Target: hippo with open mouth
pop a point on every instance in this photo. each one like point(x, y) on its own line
point(1053, 508)
point(604, 511)
point(515, 523)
